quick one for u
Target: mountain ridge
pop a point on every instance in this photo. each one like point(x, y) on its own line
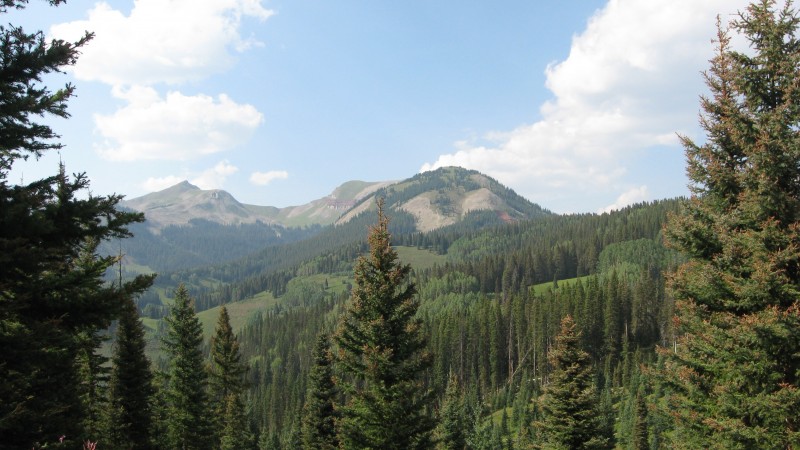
point(435, 199)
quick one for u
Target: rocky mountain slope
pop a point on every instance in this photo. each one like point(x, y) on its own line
point(184, 202)
point(435, 199)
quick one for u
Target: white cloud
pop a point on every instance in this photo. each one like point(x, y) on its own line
point(631, 81)
point(176, 127)
point(264, 178)
point(214, 178)
point(161, 41)
point(154, 184)
point(627, 198)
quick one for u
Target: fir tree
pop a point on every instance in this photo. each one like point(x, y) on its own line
point(569, 406)
point(226, 376)
point(319, 414)
point(641, 436)
point(451, 431)
point(235, 434)
point(131, 387)
point(46, 301)
point(93, 375)
point(188, 420)
point(382, 349)
point(733, 379)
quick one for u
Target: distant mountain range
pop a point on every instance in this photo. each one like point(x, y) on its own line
point(188, 227)
point(435, 199)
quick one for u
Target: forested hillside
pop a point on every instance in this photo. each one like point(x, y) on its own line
point(489, 319)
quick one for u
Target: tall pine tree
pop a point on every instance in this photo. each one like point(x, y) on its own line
point(733, 379)
point(188, 422)
point(382, 352)
point(451, 432)
point(570, 413)
point(319, 413)
point(131, 387)
point(226, 377)
point(47, 302)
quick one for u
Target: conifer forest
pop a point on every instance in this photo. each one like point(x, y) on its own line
point(671, 324)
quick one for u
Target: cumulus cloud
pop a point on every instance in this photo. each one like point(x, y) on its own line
point(174, 127)
point(214, 178)
point(154, 184)
point(161, 41)
point(631, 82)
point(265, 178)
point(627, 198)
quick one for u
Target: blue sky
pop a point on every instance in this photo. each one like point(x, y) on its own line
point(574, 105)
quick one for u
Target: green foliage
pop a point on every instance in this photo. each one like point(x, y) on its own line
point(188, 420)
point(235, 434)
point(570, 402)
point(319, 413)
point(382, 350)
point(451, 433)
point(226, 376)
point(732, 377)
point(641, 434)
point(53, 300)
point(131, 387)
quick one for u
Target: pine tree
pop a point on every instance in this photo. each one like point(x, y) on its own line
point(235, 434)
point(569, 406)
point(733, 379)
point(452, 428)
point(46, 300)
point(382, 350)
point(641, 435)
point(93, 376)
point(131, 387)
point(226, 376)
point(319, 414)
point(188, 420)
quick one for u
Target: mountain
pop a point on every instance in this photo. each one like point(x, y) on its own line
point(185, 202)
point(448, 196)
point(188, 227)
point(435, 199)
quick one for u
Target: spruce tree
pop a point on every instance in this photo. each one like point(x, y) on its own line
point(46, 300)
point(382, 354)
point(131, 387)
point(570, 413)
point(452, 428)
point(733, 377)
point(319, 413)
point(641, 435)
point(188, 421)
point(226, 377)
point(235, 434)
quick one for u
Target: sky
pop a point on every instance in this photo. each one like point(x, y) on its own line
point(576, 105)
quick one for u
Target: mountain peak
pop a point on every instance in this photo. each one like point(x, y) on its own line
point(436, 198)
point(183, 186)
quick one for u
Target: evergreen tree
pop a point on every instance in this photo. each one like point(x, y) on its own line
point(641, 436)
point(452, 428)
point(319, 414)
point(226, 376)
point(382, 349)
point(188, 420)
point(93, 381)
point(46, 300)
point(131, 387)
point(235, 434)
point(570, 403)
point(734, 375)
